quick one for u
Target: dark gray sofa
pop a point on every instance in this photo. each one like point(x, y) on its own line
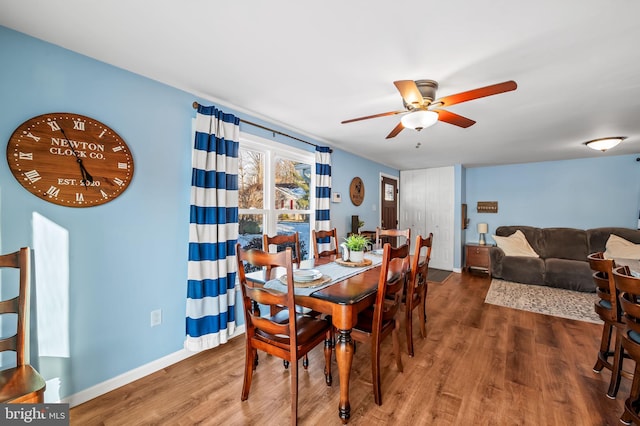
point(563, 255)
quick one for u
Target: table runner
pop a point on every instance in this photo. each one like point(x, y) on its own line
point(335, 271)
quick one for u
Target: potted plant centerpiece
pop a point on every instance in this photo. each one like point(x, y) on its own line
point(356, 244)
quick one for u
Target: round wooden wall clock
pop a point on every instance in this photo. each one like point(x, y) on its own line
point(70, 159)
point(356, 191)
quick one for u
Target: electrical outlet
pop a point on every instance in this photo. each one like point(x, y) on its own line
point(156, 317)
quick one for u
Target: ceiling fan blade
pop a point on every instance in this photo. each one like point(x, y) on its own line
point(481, 92)
point(395, 131)
point(409, 91)
point(455, 119)
point(383, 114)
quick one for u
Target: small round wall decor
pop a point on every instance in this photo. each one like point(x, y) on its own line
point(356, 191)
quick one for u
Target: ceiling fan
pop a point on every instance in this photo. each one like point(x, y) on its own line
point(422, 111)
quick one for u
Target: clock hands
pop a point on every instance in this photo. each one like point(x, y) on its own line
point(86, 177)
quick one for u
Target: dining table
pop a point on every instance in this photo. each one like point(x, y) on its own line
point(348, 291)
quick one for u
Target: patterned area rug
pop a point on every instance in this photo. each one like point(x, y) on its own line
point(543, 300)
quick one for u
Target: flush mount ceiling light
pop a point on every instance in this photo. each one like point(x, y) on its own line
point(604, 144)
point(419, 120)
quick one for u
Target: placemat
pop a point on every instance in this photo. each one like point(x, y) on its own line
point(365, 262)
point(306, 284)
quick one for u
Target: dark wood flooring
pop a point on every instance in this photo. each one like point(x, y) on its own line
point(479, 365)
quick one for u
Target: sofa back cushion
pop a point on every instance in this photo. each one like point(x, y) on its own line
point(565, 243)
point(598, 237)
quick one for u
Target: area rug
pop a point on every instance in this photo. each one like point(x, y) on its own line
point(437, 275)
point(543, 300)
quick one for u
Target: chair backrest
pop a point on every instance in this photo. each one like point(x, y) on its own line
point(629, 288)
point(419, 264)
point(390, 235)
point(250, 293)
point(393, 275)
point(605, 284)
point(18, 342)
point(324, 237)
point(282, 241)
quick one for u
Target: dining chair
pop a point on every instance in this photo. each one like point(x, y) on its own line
point(288, 334)
point(391, 235)
point(320, 237)
point(607, 306)
point(281, 242)
point(22, 383)
point(381, 320)
point(629, 288)
point(416, 292)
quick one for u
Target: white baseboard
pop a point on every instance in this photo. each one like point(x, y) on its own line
point(133, 375)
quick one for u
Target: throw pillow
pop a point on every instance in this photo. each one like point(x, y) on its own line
point(619, 248)
point(515, 244)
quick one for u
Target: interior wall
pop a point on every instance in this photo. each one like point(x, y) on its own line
point(584, 193)
point(129, 256)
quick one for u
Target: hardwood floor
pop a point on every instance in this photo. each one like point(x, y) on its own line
point(479, 365)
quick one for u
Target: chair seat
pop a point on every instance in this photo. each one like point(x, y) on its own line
point(21, 384)
point(309, 329)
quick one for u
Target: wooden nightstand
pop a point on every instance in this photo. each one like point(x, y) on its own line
point(477, 257)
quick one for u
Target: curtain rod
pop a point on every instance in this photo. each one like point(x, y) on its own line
point(196, 104)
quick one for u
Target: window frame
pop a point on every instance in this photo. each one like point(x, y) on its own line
point(272, 151)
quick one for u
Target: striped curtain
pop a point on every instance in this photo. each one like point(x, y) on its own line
point(323, 194)
point(213, 230)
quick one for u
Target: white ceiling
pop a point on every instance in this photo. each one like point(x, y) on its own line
point(308, 66)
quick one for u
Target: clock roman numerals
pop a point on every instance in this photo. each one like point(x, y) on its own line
point(25, 155)
point(32, 175)
point(78, 125)
point(53, 191)
point(35, 138)
point(79, 197)
point(54, 125)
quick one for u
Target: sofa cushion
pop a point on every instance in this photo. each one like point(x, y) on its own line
point(528, 270)
point(515, 244)
point(565, 243)
point(570, 274)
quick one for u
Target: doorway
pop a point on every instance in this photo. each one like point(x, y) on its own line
point(388, 202)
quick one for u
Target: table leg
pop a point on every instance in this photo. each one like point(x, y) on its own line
point(344, 357)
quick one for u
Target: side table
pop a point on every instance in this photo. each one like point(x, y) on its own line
point(477, 257)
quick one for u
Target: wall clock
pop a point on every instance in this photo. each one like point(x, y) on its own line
point(70, 159)
point(356, 191)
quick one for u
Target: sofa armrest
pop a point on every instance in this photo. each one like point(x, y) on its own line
point(496, 255)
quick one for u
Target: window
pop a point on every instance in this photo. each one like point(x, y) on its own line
point(275, 187)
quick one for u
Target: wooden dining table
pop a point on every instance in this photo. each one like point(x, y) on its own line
point(343, 300)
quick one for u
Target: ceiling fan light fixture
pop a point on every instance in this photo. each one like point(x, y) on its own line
point(419, 120)
point(604, 144)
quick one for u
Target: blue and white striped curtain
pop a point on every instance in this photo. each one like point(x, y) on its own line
point(323, 194)
point(213, 230)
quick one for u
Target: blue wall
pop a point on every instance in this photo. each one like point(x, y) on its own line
point(129, 256)
point(585, 193)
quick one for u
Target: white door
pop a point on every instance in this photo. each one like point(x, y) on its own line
point(439, 206)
